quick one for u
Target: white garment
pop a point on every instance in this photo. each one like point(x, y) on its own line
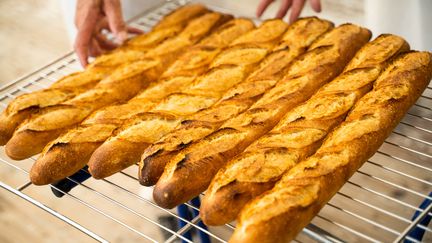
point(410, 19)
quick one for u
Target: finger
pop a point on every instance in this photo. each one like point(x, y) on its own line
point(104, 42)
point(95, 50)
point(114, 16)
point(296, 9)
point(82, 42)
point(285, 5)
point(103, 24)
point(316, 5)
point(85, 8)
point(88, 15)
point(134, 30)
point(101, 38)
point(82, 53)
point(262, 6)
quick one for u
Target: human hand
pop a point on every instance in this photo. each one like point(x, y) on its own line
point(295, 5)
point(93, 16)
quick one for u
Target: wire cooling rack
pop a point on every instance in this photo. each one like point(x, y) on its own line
point(388, 199)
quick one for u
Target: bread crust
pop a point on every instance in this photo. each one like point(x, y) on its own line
point(183, 176)
point(115, 149)
point(230, 67)
point(295, 41)
point(43, 173)
point(122, 85)
point(298, 134)
point(103, 123)
point(279, 214)
point(24, 106)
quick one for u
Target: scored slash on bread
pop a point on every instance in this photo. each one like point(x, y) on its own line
point(119, 89)
point(298, 37)
point(298, 134)
point(230, 67)
point(24, 106)
point(190, 171)
point(279, 214)
point(125, 82)
point(83, 140)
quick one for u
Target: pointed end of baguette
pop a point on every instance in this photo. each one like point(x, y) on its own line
point(37, 175)
point(41, 172)
point(26, 143)
point(166, 195)
point(152, 167)
point(113, 156)
point(59, 161)
point(19, 147)
point(6, 131)
point(218, 209)
point(223, 205)
point(4, 137)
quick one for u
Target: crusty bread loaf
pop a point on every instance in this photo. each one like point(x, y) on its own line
point(295, 41)
point(125, 82)
point(190, 171)
point(23, 106)
point(68, 87)
point(230, 67)
point(279, 214)
point(181, 15)
point(298, 135)
point(72, 150)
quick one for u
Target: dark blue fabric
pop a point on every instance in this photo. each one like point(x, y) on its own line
point(66, 185)
point(204, 237)
point(417, 233)
point(189, 214)
point(183, 212)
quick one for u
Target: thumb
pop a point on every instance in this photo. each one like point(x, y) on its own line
point(113, 12)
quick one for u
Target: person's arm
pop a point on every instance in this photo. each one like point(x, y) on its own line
point(295, 5)
point(93, 16)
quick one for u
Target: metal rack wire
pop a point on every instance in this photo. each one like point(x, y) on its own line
point(388, 199)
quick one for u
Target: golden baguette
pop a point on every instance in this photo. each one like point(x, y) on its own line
point(230, 67)
point(23, 106)
point(279, 214)
point(295, 41)
point(181, 15)
point(297, 136)
point(190, 171)
point(72, 150)
point(124, 83)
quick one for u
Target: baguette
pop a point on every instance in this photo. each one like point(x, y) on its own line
point(190, 171)
point(295, 41)
point(125, 82)
point(229, 68)
point(22, 107)
point(297, 136)
point(72, 150)
point(279, 214)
